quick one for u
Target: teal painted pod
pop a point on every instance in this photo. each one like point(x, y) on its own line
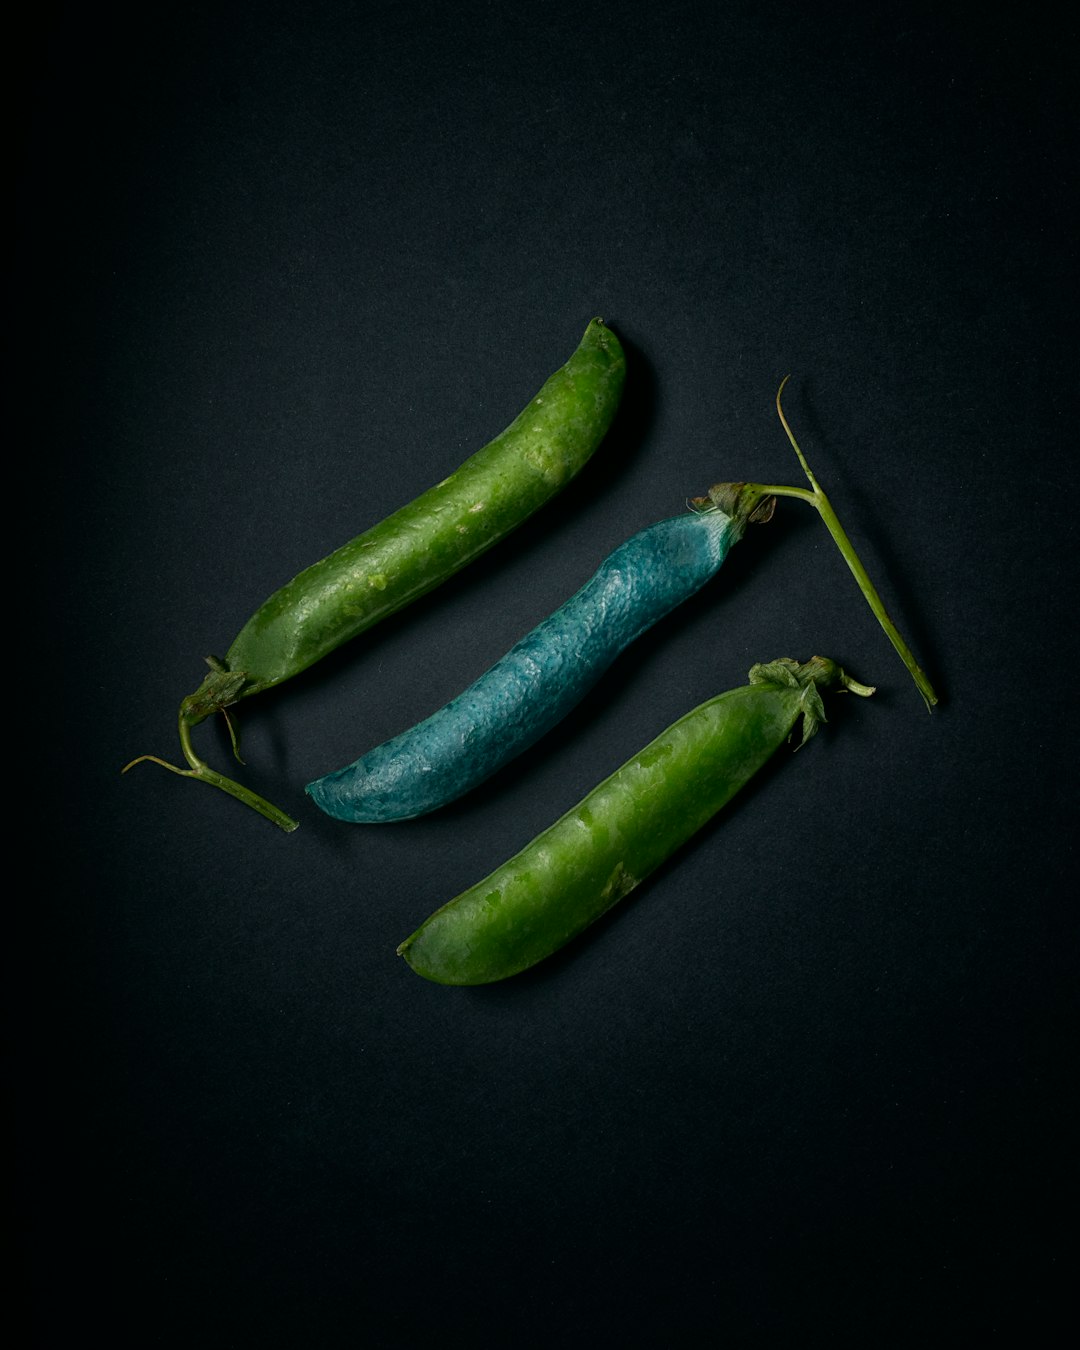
point(537, 683)
point(604, 847)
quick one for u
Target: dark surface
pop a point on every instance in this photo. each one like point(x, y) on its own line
point(283, 268)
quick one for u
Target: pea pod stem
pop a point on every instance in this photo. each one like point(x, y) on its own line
point(201, 770)
point(820, 502)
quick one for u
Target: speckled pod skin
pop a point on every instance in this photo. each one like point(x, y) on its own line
point(623, 830)
point(422, 544)
point(537, 682)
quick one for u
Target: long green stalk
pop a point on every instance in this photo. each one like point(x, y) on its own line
point(824, 508)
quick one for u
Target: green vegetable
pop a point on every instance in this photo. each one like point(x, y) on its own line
point(415, 549)
point(623, 830)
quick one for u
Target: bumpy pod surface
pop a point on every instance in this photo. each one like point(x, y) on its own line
point(535, 685)
point(624, 829)
point(422, 544)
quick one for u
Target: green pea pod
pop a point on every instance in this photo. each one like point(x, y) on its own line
point(415, 549)
point(624, 829)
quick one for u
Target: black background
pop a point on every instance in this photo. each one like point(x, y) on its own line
point(283, 268)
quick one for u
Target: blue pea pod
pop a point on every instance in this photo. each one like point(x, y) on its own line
point(542, 678)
